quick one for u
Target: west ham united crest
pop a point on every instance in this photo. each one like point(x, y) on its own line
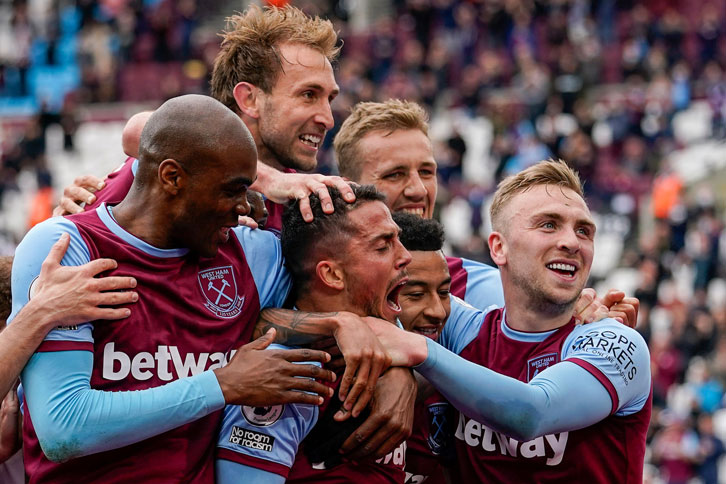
point(535, 365)
point(220, 291)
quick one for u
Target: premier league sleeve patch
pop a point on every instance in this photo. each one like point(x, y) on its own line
point(251, 439)
point(262, 416)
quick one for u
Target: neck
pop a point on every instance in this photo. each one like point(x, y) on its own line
point(525, 314)
point(319, 302)
point(263, 153)
point(142, 215)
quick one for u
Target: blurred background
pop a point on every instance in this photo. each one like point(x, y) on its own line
point(631, 93)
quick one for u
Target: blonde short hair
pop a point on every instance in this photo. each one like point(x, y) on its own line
point(250, 50)
point(365, 117)
point(548, 172)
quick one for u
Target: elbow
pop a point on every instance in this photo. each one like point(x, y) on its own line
point(60, 450)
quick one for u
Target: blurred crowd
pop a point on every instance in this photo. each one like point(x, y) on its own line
point(507, 83)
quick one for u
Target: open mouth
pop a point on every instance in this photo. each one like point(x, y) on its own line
point(224, 234)
point(428, 331)
point(311, 140)
point(392, 296)
point(415, 211)
point(563, 269)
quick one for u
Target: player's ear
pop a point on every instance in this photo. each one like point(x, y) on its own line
point(498, 248)
point(331, 274)
point(171, 176)
point(247, 97)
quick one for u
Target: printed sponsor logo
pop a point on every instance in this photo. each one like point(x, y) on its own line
point(617, 348)
point(396, 457)
point(219, 288)
point(474, 434)
point(262, 416)
point(251, 439)
point(535, 365)
point(438, 436)
point(164, 363)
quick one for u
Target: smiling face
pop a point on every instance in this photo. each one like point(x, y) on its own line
point(374, 262)
point(214, 198)
point(402, 166)
point(545, 249)
point(425, 299)
point(296, 114)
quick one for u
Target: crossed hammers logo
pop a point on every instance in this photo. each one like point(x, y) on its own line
point(220, 291)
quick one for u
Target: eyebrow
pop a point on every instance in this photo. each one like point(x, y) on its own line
point(241, 180)
point(558, 217)
point(414, 282)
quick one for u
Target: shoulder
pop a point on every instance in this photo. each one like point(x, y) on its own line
point(256, 239)
point(463, 325)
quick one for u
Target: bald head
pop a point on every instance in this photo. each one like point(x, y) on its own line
point(193, 130)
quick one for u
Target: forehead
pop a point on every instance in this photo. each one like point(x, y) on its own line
point(428, 266)
point(381, 151)
point(372, 220)
point(543, 199)
point(303, 65)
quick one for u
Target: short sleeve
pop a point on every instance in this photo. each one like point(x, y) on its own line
point(29, 257)
point(264, 258)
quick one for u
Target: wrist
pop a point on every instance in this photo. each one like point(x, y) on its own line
point(264, 174)
point(36, 316)
point(419, 351)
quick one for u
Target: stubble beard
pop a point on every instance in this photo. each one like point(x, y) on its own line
point(540, 300)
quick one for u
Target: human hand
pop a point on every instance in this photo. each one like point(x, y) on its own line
point(67, 295)
point(82, 191)
point(621, 308)
point(260, 377)
point(405, 348)
point(365, 360)
point(9, 428)
point(589, 308)
point(284, 187)
point(391, 417)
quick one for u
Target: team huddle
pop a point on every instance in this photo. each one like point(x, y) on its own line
point(323, 335)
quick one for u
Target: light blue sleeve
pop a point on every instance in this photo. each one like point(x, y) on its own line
point(264, 258)
point(617, 353)
point(561, 398)
point(251, 438)
point(483, 285)
point(229, 472)
point(462, 326)
point(72, 420)
point(29, 257)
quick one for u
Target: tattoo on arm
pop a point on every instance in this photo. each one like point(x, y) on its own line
point(294, 328)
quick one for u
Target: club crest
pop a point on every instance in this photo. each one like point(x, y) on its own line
point(540, 363)
point(219, 288)
point(439, 427)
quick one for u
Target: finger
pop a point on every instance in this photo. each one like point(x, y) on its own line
point(310, 385)
point(114, 283)
point(263, 341)
point(293, 396)
point(78, 194)
point(98, 266)
point(117, 298)
point(247, 222)
point(325, 201)
point(305, 210)
point(360, 436)
point(378, 445)
point(612, 297)
point(351, 367)
point(342, 186)
point(67, 206)
point(109, 314)
point(376, 368)
point(359, 386)
point(587, 296)
point(57, 251)
point(304, 354)
point(89, 182)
